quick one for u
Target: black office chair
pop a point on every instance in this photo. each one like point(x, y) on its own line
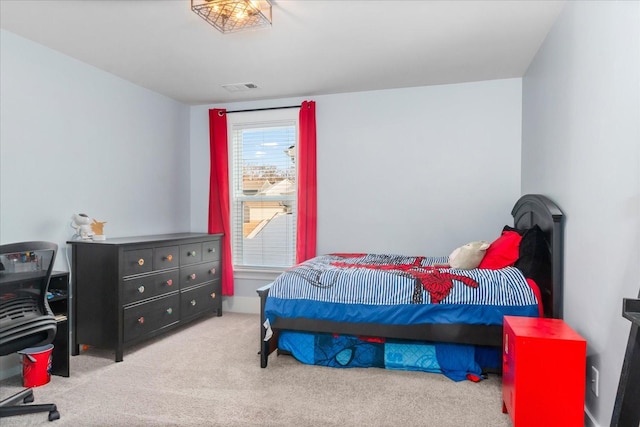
point(25, 317)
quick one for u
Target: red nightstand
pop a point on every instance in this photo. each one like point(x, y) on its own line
point(543, 372)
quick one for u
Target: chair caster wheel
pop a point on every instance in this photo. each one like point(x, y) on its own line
point(54, 415)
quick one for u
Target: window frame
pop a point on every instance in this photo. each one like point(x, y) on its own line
point(257, 119)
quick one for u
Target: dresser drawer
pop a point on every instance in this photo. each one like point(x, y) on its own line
point(137, 261)
point(141, 319)
point(166, 257)
point(211, 250)
point(192, 275)
point(143, 287)
point(201, 298)
point(191, 253)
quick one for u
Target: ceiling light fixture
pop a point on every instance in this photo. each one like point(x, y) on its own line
point(229, 16)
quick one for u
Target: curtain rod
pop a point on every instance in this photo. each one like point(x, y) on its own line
point(263, 109)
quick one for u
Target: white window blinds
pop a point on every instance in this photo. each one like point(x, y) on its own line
point(263, 192)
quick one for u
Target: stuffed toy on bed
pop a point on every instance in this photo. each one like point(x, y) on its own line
point(469, 256)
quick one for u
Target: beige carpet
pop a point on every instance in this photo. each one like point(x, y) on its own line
point(208, 374)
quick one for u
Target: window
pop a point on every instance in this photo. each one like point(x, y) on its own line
point(263, 179)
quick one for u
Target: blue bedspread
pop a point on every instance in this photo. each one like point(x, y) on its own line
point(390, 289)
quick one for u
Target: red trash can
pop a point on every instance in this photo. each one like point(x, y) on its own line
point(36, 365)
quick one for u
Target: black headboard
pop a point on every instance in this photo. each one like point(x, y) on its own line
point(532, 209)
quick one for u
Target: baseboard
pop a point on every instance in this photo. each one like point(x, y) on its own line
point(236, 304)
point(589, 421)
point(10, 366)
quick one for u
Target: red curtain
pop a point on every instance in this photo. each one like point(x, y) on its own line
point(307, 187)
point(219, 208)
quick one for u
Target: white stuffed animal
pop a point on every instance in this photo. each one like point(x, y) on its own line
point(82, 224)
point(469, 256)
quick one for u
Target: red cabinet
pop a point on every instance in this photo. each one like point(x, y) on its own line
point(543, 372)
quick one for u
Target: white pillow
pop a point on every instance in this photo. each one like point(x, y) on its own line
point(468, 256)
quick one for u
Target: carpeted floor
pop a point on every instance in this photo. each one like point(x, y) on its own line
point(208, 374)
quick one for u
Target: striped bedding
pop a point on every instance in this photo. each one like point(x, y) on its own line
point(393, 289)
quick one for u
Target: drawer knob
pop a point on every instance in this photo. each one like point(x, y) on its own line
point(213, 295)
point(212, 250)
point(169, 310)
point(191, 253)
point(169, 258)
point(141, 262)
point(193, 302)
point(213, 271)
point(169, 282)
point(141, 320)
point(192, 276)
point(141, 289)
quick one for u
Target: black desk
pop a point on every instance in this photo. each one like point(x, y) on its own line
point(59, 304)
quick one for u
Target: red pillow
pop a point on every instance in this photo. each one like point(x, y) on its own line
point(503, 252)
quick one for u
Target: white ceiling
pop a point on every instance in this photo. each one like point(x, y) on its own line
point(312, 48)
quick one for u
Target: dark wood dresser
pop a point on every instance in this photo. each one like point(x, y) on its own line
point(126, 290)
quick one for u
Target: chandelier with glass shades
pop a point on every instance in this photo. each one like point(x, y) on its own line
point(229, 16)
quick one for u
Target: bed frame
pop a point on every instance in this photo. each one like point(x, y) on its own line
point(528, 211)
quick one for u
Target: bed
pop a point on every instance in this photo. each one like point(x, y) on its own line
point(376, 335)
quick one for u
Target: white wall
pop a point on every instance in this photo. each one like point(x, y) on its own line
point(581, 146)
point(77, 139)
point(414, 171)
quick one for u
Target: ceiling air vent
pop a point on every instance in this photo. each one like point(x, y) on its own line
point(240, 87)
